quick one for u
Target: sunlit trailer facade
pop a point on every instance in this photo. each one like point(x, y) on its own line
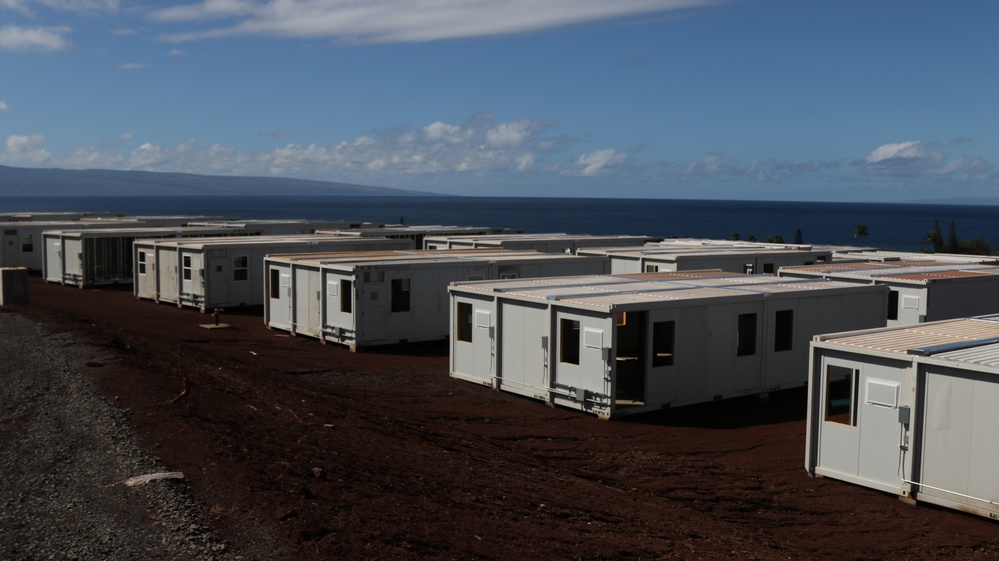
point(615, 345)
point(920, 291)
point(227, 272)
point(736, 259)
point(909, 410)
point(371, 300)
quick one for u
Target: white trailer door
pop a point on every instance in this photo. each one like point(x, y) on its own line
point(278, 297)
point(190, 274)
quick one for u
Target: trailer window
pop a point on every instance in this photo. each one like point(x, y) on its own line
point(463, 322)
point(892, 304)
point(142, 262)
point(663, 343)
point(569, 341)
point(346, 296)
point(746, 344)
point(768, 268)
point(784, 331)
point(841, 395)
point(240, 268)
point(275, 284)
point(652, 268)
point(187, 267)
point(400, 295)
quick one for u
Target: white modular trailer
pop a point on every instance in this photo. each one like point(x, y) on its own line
point(909, 410)
point(859, 254)
point(389, 298)
point(735, 259)
point(227, 272)
point(547, 243)
point(418, 233)
point(615, 345)
point(21, 242)
point(920, 291)
point(104, 256)
point(282, 227)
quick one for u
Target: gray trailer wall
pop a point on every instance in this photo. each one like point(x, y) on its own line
point(958, 450)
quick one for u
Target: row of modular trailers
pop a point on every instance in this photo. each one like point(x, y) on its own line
point(896, 402)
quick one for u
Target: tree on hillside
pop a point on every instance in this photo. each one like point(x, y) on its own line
point(775, 239)
point(935, 237)
point(975, 246)
point(797, 237)
point(860, 230)
point(952, 243)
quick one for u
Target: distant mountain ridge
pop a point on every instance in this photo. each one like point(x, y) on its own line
point(95, 182)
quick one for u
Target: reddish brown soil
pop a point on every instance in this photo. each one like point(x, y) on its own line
point(298, 450)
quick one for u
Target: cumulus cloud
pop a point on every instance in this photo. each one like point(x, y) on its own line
point(25, 148)
point(394, 21)
point(34, 39)
point(480, 145)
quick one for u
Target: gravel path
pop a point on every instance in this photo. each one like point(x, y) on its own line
point(65, 452)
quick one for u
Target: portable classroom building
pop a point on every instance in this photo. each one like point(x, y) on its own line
point(104, 256)
point(227, 272)
point(909, 410)
point(381, 299)
point(615, 345)
point(547, 243)
point(736, 259)
point(920, 291)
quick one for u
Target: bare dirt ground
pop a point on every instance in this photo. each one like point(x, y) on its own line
point(302, 451)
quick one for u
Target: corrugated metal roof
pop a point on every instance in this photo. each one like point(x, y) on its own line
point(606, 291)
point(985, 355)
point(901, 339)
point(939, 275)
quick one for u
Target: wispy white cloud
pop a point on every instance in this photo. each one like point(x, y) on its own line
point(4, 106)
point(918, 159)
point(595, 163)
point(176, 53)
point(910, 151)
point(132, 66)
point(394, 21)
point(34, 39)
point(29, 7)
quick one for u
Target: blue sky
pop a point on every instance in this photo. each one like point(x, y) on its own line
point(710, 99)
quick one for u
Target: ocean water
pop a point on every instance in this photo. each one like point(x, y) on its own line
point(901, 227)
